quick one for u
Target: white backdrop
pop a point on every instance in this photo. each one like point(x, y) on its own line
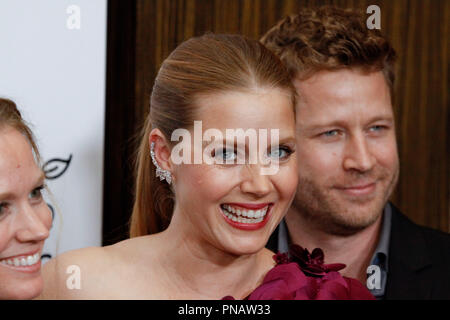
point(52, 64)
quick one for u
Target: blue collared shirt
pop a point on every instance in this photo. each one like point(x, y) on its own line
point(379, 258)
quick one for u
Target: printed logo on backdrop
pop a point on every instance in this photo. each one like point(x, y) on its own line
point(54, 169)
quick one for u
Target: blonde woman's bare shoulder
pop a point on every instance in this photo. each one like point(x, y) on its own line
point(78, 274)
point(110, 272)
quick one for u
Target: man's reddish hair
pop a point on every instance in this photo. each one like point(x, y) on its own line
point(329, 38)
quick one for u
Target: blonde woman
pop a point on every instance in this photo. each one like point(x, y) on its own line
point(25, 218)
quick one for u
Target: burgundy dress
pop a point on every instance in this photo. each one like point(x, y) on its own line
point(301, 275)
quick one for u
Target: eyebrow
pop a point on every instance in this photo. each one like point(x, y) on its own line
point(288, 139)
point(341, 123)
point(37, 183)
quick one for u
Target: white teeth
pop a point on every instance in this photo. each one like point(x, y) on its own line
point(244, 216)
point(22, 262)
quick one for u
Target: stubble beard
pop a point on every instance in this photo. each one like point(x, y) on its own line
point(330, 212)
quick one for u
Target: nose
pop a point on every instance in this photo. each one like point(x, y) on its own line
point(33, 226)
point(359, 156)
point(254, 182)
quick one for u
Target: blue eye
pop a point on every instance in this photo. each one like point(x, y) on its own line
point(225, 154)
point(330, 133)
point(281, 152)
point(377, 128)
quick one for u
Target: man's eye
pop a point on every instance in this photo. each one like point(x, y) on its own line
point(330, 133)
point(377, 128)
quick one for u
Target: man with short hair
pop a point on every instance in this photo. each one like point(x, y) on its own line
point(348, 159)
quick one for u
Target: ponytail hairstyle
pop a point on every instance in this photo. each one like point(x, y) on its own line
point(201, 65)
point(10, 117)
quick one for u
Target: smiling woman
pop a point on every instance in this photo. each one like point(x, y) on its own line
point(199, 230)
point(194, 223)
point(25, 218)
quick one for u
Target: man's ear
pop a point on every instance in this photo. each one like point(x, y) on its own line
point(161, 150)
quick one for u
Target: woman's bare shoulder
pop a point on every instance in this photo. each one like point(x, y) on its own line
point(91, 273)
point(71, 274)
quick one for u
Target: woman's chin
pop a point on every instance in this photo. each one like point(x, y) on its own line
point(246, 247)
point(23, 290)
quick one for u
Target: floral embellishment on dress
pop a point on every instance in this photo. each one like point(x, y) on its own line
point(304, 276)
point(312, 263)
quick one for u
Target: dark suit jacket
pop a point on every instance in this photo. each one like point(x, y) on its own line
point(419, 260)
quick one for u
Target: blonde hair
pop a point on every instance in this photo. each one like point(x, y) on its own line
point(11, 117)
point(206, 64)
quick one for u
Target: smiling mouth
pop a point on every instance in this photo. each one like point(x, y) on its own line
point(244, 215)
point(22, 261)
point(360, 190)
